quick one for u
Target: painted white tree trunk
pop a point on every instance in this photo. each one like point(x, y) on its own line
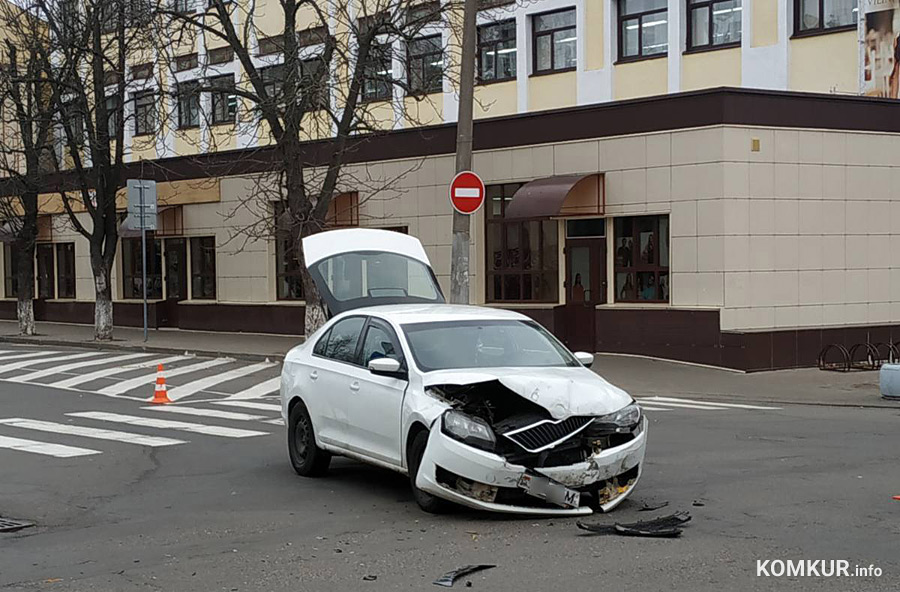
point(103, 309)
point(315, 318)
point(25, 314)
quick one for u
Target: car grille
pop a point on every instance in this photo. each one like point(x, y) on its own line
point(546, 433)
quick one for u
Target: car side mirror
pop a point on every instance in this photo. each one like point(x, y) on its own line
point(585, 358)
point(385, 366)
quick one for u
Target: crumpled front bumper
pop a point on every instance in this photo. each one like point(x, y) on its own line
point(490, 469)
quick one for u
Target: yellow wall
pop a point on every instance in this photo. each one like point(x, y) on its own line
point(379, 115)
point(821, 63)
point(641, 79)
point(187, 141)
point(711, 68)
point(593, 17)
point(552, 91)
point(494, 100)
point(268, 17)
point(428, 111)
point(765, 23)
point(222, 137)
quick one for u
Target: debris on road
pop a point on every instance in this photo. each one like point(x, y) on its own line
point(699, 503)
point(370, 578)
point(449, 578)
point(662, 527)
point(651, 506)
point(10, 525)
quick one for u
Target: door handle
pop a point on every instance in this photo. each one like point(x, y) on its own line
point(354, 386)
point(313, 375)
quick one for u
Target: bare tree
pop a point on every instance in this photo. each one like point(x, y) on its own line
point(328, 72)
point(26, 153)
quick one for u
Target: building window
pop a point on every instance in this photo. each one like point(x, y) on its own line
point(425, 65)
point(642, 259)
point(713, 23)
point(46, 276)
point(142, 71)
point(220, 55)
point(643, 28)
point(376, 83)
point(224, 101)
point(497, 51)
point(287, 267)
point(522, 255)
point(65, 270)
point(313, 83)
point(188, 104)
point(132, 280)
point(10, 270)
point(183, 6)
point(144, 113)
point(553, 41)
point(812, 16)
point(112, 115)
point(185, 62)
point(270, 45)
point(272, 78)
point(203, 268)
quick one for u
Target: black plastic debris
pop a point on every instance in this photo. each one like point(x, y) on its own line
point(9, 525)
point(370, 578)
point(651, 506)
point(699, 503)
point(662, 527)
point(449, 578)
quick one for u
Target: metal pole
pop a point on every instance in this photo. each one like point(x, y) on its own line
point(459, 258)
point(143, 253)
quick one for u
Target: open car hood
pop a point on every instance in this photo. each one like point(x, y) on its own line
point(563, 392)
point(359, 267)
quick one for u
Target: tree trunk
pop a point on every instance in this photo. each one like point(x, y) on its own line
point(103, 308)
point(25, 279)
point(315, 311)
point(25, 314)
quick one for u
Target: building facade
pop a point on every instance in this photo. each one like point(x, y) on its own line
point(684, 179)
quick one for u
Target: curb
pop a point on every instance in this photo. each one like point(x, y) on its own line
point(107, 345)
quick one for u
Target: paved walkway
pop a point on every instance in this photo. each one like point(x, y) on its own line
point(250, 346)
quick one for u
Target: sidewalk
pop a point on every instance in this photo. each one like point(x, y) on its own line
point(247, 346)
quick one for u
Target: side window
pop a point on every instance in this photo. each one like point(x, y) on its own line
point(343, 339)
point(319, 349)
point(379, 343)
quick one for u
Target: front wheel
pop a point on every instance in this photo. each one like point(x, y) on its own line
point(426, 501)
point(307, 459)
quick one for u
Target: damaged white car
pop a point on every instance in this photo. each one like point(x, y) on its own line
point(479, 406)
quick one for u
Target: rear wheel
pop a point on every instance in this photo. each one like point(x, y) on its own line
point(426, 501)
point(307, 459)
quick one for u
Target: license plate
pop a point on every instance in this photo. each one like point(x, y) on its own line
point(549, 490)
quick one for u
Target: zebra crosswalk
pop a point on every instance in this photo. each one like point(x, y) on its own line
point(671, 403)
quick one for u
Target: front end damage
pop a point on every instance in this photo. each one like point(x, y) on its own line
point(535, 462)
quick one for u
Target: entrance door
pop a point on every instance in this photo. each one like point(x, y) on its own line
point(176, 279)
point(585, 288)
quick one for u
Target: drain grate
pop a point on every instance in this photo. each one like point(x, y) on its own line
point(7, 525)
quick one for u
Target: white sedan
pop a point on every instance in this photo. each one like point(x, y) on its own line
point(479, 406)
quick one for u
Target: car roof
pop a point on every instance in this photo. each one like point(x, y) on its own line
point(435, 313)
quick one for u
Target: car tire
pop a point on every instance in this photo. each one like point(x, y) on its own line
point(426, 501)
point(307, 459)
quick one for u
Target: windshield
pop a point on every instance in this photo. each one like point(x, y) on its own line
point(484, 344)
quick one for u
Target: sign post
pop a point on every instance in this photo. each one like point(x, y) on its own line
point(466, 192)
point(142, 209)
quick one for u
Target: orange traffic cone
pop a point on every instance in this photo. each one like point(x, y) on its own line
point(160, 396)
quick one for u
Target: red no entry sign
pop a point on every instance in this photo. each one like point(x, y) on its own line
point(466, 192)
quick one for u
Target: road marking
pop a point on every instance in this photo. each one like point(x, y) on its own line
point(74, 366)
point(670, 400)
point(250, 405)
point(278, 422)
point(147, 422)
point(689, 406)
point(127, 385)
point(645, 408)
point(45, 448)
point(100, 434)
point(108, 372)
point(28, 355)
point(257, 391)
point(206, 412)
point(34, 362)
point(185, 390)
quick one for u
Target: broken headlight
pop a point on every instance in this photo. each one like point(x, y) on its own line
point(626, 417)
point(469, 430)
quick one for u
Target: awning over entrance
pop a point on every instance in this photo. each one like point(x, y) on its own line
point(563, 195)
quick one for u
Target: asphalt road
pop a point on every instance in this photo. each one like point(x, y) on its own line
point(216, 513)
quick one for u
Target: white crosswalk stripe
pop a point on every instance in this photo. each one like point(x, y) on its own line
point(115, 371)
point(127, 385)
point(670, 403)
point(255, 392)
point(4, 368)
point(196, 386)
point(216, 413)
point(250, 405)
point(75, 366)
point(147, 422)
point(28, 355)
point(86, 432)
point(45, 448)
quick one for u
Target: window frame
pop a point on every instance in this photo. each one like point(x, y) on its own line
point(187, 90)
point(10, 271)
point(692, 5)
point(480, 45)
point(223, 93)
point(154, 246)
point(535, 34)
point(65, 277)
point(384, 326)
point(356, 350)
point(203, 276)
point(425, 90)
point(41, 253)
point(636, 266)
point(151, 106)
point(622, 18)
point(386, 54)
point(820, 29)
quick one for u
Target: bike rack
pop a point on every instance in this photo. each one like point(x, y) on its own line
point(841, 365)
point(872, 360)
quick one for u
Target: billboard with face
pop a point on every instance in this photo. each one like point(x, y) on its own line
point(879, 28)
